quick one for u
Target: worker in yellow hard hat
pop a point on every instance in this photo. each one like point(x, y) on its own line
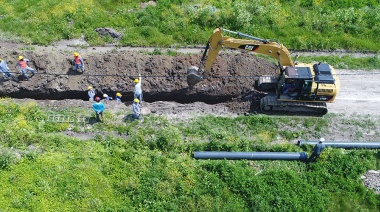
point(138, 90)
point(136, 109)
point(91, 93)
point(118, 97)
point(78, 62)
point(22, 64)
point(5, 70)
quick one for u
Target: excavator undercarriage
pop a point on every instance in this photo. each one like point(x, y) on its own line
point(270, 105)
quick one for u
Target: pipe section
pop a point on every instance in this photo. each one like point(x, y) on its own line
point(252, 155)
point(345, 145)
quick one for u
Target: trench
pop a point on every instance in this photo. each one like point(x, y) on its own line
point(150, 97)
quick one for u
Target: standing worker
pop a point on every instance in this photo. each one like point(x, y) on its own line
point(91, 94)
point(136, 109)
point(118, 97)
point(78, 62)
point(5, 69)
point(138, 90)
point(98, 107)
point(22, 64)
point(318, 148)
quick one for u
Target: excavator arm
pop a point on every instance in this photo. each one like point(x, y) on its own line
point(217, 41)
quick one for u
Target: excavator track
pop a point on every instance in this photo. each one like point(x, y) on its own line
point(270, 105)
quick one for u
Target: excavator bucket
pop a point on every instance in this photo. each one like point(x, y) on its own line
point(193, 76)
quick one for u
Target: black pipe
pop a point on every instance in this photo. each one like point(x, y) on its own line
point(252, 155)
point(343, 144)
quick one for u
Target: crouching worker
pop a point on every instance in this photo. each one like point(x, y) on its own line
point(136, 109)
point(98, 107)
point(78, 62)
point(22, 64)
point(5, 69)
point(118, 97)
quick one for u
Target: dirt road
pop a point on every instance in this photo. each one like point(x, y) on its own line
point(360, 93)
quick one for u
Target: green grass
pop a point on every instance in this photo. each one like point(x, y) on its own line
point(299, 24)
point(149, 165)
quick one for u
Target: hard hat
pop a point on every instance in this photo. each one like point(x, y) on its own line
point(105, 95)
point(20, 57)
point(321, 140)
point(118, 94)
point(97, 99)
point(136, 80)
point(136, 100)
point(89, 88)
point(76, 54)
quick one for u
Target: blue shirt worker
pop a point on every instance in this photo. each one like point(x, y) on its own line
point(91, 94)
point(290, 87)
point(136, 109)
point(78, 62)
point(118, 97)
point(106, 98)
point(318, 148)
point(5, 70)
point(98, 107)
point(22, 64)
point(138, 90)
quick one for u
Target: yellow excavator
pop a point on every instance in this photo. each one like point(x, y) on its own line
point(295, 87)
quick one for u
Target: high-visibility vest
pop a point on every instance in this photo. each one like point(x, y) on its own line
point(22, 64)
point(77, 60)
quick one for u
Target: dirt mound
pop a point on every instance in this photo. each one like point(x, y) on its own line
point(164, 77)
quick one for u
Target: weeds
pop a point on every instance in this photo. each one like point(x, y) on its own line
point(301, 25)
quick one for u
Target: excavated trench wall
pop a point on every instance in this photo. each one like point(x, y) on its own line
point(163, 77)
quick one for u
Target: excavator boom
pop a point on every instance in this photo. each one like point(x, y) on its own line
point(257, 45)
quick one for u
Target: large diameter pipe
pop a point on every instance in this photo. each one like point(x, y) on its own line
point(251, 155)
point(345, 145)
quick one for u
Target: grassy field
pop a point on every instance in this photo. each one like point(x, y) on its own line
point(299, 24)
point(149, 166)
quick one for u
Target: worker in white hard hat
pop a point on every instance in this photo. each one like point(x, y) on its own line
point(136, 109)
point(138, 90)
point(90, 93)
point(106, 98)
point(78, 62)
point(318, 148)
point(22, 64)
point(5, 70)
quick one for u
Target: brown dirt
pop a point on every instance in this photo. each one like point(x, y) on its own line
point(164, 77)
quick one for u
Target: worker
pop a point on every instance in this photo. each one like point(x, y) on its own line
point(5, 70)
point(106, 97)
point(289, 87)
point(91, 93)
point(138, 90)
point(318, 148)
point(78, 62)
point(23, 66)
point(118, 97)
point(136, 109)
point(98, 107)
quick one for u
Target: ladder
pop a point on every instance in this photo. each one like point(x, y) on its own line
point(67, 119)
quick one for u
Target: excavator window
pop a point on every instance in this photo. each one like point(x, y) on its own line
point(306, 88)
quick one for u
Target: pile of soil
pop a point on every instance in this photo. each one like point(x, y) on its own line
point(164, 77)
